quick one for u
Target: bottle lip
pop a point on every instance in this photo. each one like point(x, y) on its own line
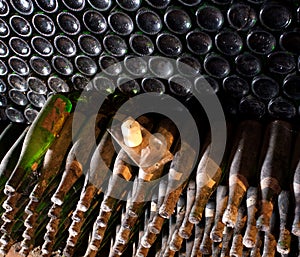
point(33, 44)
point(190, 47)
point(63, 85)
point(114, 64)
point(34, 101)
point(46, 66)
point(74, 9)
point(134, 36)
point(271, 38)
point(238, 6)
point(135, 58)
point(75, 20)
point(191, 71)
point(41, 90)
point(100, 9)
point(172, 9)
point(10, 43)
point(121, 40)
point(7, 28)
point(238, 40)
point(47, 10)
point(86, 24)
point(209, 57)
point(166, 34)
point(7, 7)
point(30, 11)
point(272, 5)
point(57, 38)
point(157, 81)
point(17, 68)
point(90, 61)
point(25, 21)
point(288, 104)
point(21, 99)
point(65, 71)
point(143, 11)
point(111, 88)
point(81, 37)
point(11, 112)
point(157, 70)
point(46, 18)
point(30, 113)
point(81, 86)
point(111, 25)
point(214, 8)
point(20, 78)
point(283, 37)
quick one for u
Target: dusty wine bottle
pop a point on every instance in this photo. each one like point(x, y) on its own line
point(208, 176)
point(249, 238)
point(269, 248)
point(284, 240)
point(206, 244)
point(275, 167)
point(237, 241)
point(81, 147)
point(221, 203)
point(51, 166)
point(99, 167)
point(39, 138)
point(186, 227)
point(242, 170)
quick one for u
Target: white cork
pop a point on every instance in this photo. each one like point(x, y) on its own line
point(131, 132)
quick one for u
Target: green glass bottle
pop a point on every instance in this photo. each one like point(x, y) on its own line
point(39, 138)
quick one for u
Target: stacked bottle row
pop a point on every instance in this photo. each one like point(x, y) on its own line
point(248, 49)
point(58, 192)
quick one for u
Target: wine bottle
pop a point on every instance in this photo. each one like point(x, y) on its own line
point(221, 203)
point(175, 187)
point(255, 251)
point(83, 148)
point(39, 138)
point(249, 239)
point(275, 167)
point(51, 166)
point(99, 165)
point(206, 244)
point(242, 169)
point(185, 230)
point(269, 248)
point(237, 241)
point(175, 240)
point(284, 240)
point(207, 179)
point(199, 233)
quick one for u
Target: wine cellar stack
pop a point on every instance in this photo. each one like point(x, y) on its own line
point(60, 193)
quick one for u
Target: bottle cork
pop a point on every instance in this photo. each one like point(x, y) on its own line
point(131, 132)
